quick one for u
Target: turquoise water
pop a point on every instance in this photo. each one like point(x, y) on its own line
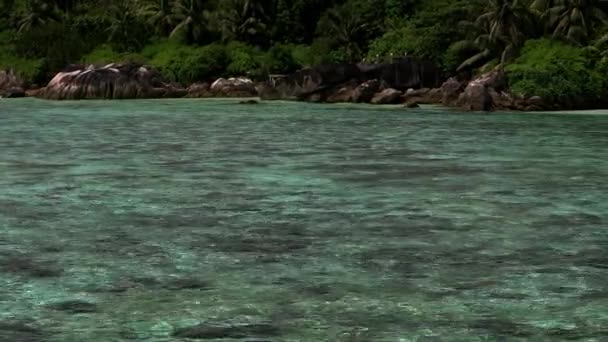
point(168, 220)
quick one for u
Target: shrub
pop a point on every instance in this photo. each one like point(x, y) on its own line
point(54, 42)
point(187, 64)
point(243, 59)
point(397, 42)
point(302, 55)
point(554, 70)
point(31, 70)
point(429, 32)
point(322, 51)
point(154, 48)
point(279, 59)
point(105, 54)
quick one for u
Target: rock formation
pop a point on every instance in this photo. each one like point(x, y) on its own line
point(233, 87)
point(334, 82)
point(199, 90)
point(387, 96)
point(10, 84)
point(113, 81)
point(487, 92)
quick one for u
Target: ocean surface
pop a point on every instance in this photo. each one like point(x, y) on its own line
point(185, 220)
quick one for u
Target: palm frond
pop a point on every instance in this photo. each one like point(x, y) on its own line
point(475, 60)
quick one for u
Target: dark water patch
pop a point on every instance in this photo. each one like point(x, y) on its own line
point(405, 269)
point(559, 289)
point(509, 295)
point(282, 229)
point(30, 266)
point(535, 255)
point(412, 226)
point(117, 286)
point(408, 172)
point(27, 211)
point(501, 192)
point(591, 257)
point(413, 255)
point(569, 222)
point(502, 327)
point(117, 241)
point(376, 320)
point(598, 294)
point(286, 281)
point(474, 284)
point(207, 331)
point(254, 244)
point(73, 307)
point(580, 332)
point(326, 292)
point(577, 219)
point(188, 283)
point(178, 283)
point(439, 294)
point(175, 220)
point(21, 331)
point(26, 166)
point(52, 247)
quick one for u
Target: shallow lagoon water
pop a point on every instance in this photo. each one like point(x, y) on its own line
point(168, 220)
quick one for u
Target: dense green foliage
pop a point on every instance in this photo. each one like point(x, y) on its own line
point(554, 70)
point(193, 40)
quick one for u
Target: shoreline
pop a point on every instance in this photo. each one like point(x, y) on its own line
point(235, 101)
point(374, 84)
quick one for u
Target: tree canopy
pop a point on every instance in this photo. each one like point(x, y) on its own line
point(262, 36)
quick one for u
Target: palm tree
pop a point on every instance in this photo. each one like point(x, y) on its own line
point(37, 13)
point(539, 7)
point(503, 28)
point(65, 5)
point(6, 9)
point(347, 28)
point(244, 20)
point(191, 18)
point(125, 29)
point(480, 43)
point(158, 15)
point(573, 20)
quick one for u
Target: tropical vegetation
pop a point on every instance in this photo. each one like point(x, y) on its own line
point(548, 47)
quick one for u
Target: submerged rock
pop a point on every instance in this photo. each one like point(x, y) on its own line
point(188, 284)
point(29, 266)
point(387, 96)
point(113, 81)
point(206, 331)
point(250, 102)
point(20, 331)
point(73, 306)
